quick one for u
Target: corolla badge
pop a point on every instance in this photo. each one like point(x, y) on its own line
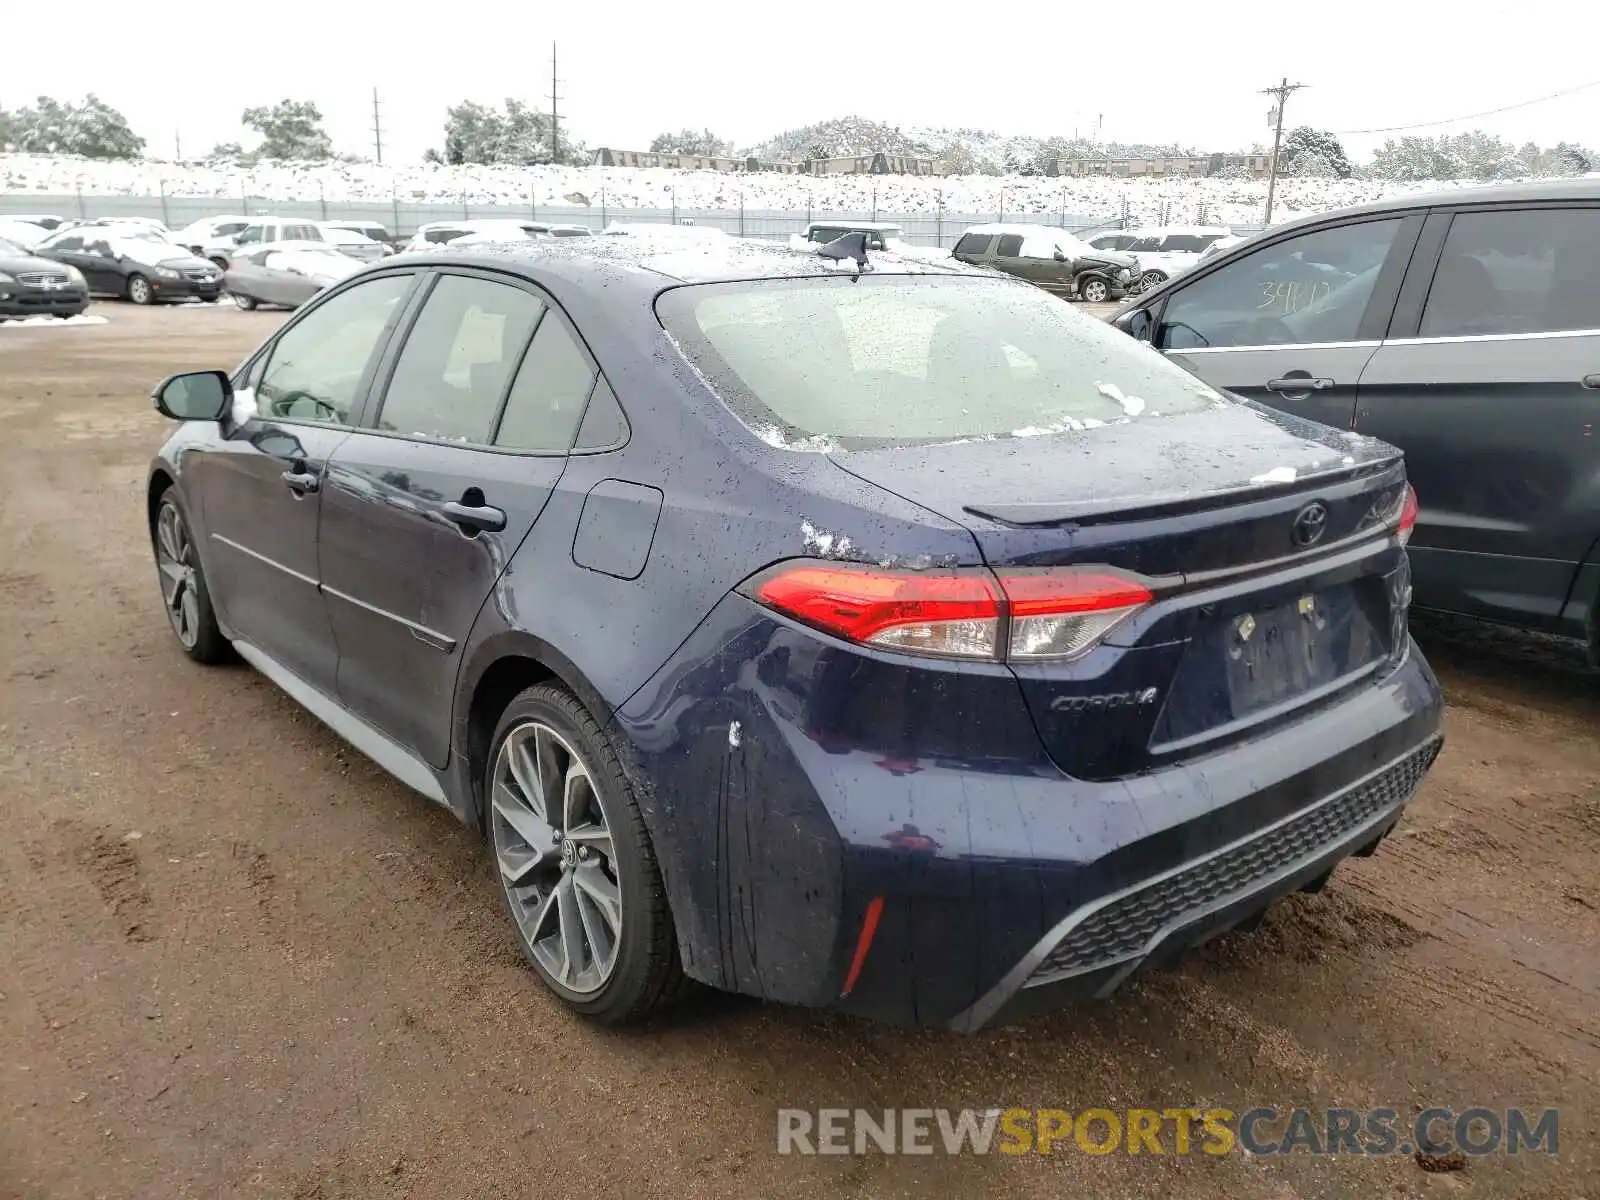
point(1105, 700)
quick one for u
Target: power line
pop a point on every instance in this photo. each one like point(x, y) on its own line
point(1282, 92)
point(1491, 112)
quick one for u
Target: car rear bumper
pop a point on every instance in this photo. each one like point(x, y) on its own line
point(835, 830)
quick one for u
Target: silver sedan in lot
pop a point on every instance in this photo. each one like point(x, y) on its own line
point(285, 274)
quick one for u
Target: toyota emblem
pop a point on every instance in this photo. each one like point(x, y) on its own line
point(1309, 524)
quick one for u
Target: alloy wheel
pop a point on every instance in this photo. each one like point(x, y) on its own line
point(1094, 291)
point(139, 290)
point(553, 847)
point(175, 559)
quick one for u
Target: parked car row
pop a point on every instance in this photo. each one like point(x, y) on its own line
point(1162, 251)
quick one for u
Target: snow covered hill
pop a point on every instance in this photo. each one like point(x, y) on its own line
point(421, 185)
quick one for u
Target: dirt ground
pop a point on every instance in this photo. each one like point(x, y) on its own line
point(237, 960)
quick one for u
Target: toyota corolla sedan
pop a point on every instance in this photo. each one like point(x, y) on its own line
point(859, 634)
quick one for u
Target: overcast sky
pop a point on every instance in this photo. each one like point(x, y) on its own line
point(1189, 72)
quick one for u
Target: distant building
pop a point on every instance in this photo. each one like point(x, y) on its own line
point(1195, 166)
point(877, 163)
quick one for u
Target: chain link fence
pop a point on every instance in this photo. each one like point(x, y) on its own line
point(401, 218)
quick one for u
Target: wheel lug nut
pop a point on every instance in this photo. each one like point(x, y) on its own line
point(583, 852)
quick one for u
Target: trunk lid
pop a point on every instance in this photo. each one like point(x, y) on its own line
point(1266, 540)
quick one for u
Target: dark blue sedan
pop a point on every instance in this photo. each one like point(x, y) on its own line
point(849, 632)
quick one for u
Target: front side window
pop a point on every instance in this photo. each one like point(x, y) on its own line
point(1311, 288)
point(316, 367)
point(69, 243)
point(1145, 245)
point(227, 229)
point(1528, 271)
point(249, 235)
point(547, 401)
point(1010, 245)
point(458, 360)
point(894, 360)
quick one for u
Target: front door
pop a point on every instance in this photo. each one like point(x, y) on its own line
point(1494, 394)
point(424, 511)
point(261, 490)
point(1293, 324)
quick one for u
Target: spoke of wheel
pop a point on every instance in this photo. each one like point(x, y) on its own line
point(542, 949)
point(172, 576)
point(188, 615)
point(598, 935)
point(598, 890)
point(528, 825)
point(577, 798)
point(526, 775)
point(552, 758)
point(166, 534)
point(573, 942)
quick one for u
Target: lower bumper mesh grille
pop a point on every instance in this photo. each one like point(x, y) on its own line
point(1124, 927)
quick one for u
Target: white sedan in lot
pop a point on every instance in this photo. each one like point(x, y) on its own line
point(1163, 250)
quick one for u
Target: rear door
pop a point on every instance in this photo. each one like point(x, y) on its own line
point(1293, 323)
point(1490, 382)
point(426, 506)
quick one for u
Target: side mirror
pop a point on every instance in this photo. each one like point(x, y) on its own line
point(194, 396)
point(1137, 323)
point(1060, 256)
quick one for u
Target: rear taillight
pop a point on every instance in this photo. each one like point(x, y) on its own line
point(1408, 515)
point(1019, 616)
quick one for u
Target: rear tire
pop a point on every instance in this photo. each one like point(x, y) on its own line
point(138, 289)
point(576, 866)
point(247, 303)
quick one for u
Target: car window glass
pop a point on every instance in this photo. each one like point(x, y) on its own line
point(250, 233)
point(1186, 243)
point(1010, 245)
point(458, 359)
point(317, 364)
point(1145, 245)
point(603, 425)
point(1534, 271)
point(227, 229)
point(548, 398)
point(973, 244)
point(1311, 288)
point(70, 244)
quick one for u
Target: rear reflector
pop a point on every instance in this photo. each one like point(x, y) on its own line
point(1028, 616)
point(1408, 514)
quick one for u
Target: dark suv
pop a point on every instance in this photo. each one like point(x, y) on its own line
point(1050, 258)
point(1464, 328)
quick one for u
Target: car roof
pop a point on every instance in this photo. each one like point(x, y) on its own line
point(1025, 228)
point(1586, 188)
point(651, 264)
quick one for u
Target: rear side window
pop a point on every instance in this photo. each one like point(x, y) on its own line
point(315, 369)
point(603, 426)
point(1533, 271)
point(1187, 243)
point(893, 360)
point(458, 359)
point(1010, 245)
point(973, 244)
point(437, 236)
point(548, 398)
point(1310, 288)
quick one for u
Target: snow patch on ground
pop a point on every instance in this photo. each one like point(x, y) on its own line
point(824, 543)
point(735, 735)
point(51, 322)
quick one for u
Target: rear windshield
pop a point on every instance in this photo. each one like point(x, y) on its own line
point(894, 360)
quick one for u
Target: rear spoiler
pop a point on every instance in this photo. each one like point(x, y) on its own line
point(1156, 505)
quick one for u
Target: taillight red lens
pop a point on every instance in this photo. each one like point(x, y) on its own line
point(950, 615)
point(1048, 614)
point(1408, 514)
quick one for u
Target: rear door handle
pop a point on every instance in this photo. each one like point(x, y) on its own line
point(1592, 382)
point(302, 483)
point(475, 518)
point(1302, 383)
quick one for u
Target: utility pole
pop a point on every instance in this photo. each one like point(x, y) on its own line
point(1282, 93)
point(377, 128)
point(555, 140)
point(177, 145)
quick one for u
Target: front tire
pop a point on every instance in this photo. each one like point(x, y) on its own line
point(1094, 291)
point(1151, 279)
point(183, 585)
point(576, 866)
point(247, 303)
point(138, 289)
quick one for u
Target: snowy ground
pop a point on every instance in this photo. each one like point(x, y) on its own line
point(43, 322)
point(187, 190)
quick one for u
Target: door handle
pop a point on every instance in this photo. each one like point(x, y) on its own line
point(302, 482)
point(1298, 383)
point(1592, 382)
point(475, 518)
